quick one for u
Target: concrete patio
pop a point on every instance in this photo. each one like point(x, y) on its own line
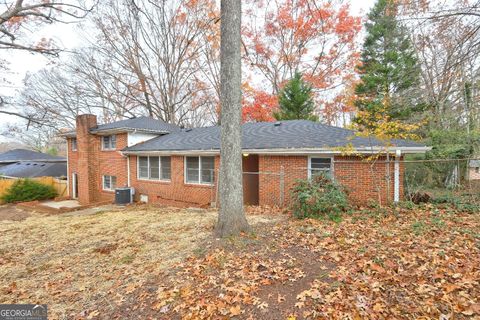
point(62, 204)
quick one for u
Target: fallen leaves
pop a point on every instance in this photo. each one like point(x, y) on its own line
point(473, 309)
point(81, 262)
point(235, 311)
point(363, 267)
point(367, 267)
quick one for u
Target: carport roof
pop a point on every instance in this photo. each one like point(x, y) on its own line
point(27, 155)
point(31, 169)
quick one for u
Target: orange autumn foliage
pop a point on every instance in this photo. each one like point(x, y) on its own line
point(316, 38)
point(259, 106)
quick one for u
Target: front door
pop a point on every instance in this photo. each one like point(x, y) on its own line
point(250, 179)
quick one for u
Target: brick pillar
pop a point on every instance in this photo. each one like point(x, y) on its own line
point(87, 159)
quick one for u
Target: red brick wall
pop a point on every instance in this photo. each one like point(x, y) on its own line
point(86, 154)
point(91, 163)
point(294, 168)
point(175, 192)
point(356, 175)
point(367, 181)
point(111, 163)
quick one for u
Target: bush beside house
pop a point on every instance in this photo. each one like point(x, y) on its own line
point(28, 190)
point(318, 198)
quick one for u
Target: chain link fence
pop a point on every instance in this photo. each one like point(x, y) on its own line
point(432, 180)
point(442, 180)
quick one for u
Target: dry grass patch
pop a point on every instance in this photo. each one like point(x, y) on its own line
point(73, 263)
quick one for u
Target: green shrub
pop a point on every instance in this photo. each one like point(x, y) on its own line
point(318, 198)
point(409, 205)
point(457, 203)
point(446, 198)
point(28, 190)
point(468, 207)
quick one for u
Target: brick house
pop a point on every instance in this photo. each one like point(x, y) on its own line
point(169, 165)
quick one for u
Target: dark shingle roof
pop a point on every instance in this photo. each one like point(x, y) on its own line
point(293, 134)
point(27, 155)
point(140, 123)
point(31, 169)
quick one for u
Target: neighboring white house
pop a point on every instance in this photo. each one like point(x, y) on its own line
point(474, 170)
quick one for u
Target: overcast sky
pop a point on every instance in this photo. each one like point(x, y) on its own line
point(68, 37)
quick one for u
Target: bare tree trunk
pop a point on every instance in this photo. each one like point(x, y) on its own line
point(231, 217)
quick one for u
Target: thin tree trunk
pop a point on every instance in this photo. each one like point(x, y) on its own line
point(231, 217)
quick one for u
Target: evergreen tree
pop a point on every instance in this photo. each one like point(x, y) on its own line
point(295, 100)
point(389, 72)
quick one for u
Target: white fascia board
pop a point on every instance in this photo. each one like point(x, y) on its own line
point(304, 151)
point(307, 151)
point(172, 152)
point(105, 132)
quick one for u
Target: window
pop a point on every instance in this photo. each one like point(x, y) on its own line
point(477, 170)
point(154, 165)
point(206, 166)
point(74, 144)
point(109, 182)
point(317, 166)
point(199, 170)
point(165, 168)
point(154, 168)
point(109, 142)
point(193, 165)
point(143, 167)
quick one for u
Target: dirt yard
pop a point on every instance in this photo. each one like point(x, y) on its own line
point(11, 213)
point(150, 263)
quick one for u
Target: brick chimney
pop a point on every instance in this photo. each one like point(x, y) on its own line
point(87, 146)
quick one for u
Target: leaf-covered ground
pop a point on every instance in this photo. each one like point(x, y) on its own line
point(80, 263)
point(146, 263)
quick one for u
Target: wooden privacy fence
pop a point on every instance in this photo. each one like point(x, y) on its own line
point(59, 185)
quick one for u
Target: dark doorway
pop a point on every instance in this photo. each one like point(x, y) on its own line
point(250, 179)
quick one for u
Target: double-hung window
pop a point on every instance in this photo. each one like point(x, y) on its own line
point(319, 166)
point(154, 168)
point(109, 142)
point(74, 144)
point(165, 168)
point(109, 183)
point(199, 170)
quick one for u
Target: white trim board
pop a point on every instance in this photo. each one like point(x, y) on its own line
point(306, 151)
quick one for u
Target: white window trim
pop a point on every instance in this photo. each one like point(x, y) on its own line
point(199, 171)
point(159, 169)
point(103, 183)
point(103, 143)
point(332, 165)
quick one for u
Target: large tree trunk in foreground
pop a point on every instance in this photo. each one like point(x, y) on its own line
point(231, 217)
